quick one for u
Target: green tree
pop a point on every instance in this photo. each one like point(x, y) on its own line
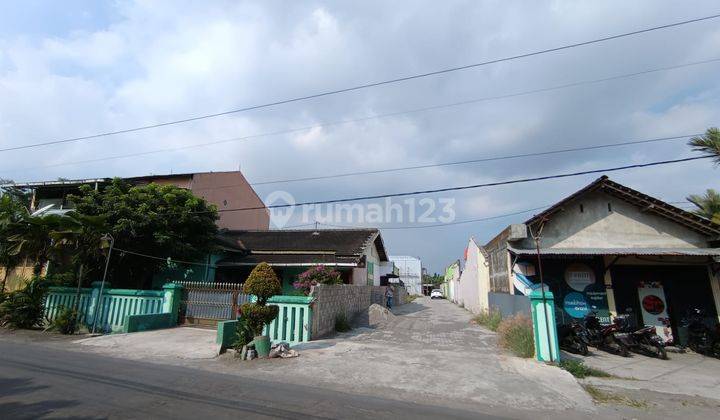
point(708, 205)
point(11, 213)
point(708, 143)
point(31, 238)
point(158, 220)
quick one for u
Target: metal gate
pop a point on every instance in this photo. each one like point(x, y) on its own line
point(204, 304)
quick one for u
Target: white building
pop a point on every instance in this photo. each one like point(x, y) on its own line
point(410, 272)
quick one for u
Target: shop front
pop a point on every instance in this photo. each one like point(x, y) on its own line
point(657, 290)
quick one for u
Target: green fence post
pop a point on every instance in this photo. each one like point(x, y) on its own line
point(171, 300)
point(546, 347)
point(94, 306)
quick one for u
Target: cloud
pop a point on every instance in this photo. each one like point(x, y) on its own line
point(103, 68)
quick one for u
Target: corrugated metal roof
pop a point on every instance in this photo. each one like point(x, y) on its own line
point(698, 252)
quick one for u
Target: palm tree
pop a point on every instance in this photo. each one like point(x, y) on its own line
point(11, 212)
point(32, 238)
point(708, 205)
point(708, 143)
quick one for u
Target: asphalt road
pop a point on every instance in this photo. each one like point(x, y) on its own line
point(38, 381)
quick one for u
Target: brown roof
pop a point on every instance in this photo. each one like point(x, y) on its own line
point(286, 259)
point(648, 203)
point(349, 243)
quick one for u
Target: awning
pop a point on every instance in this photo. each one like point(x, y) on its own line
point(687, 252)
point(287, 260)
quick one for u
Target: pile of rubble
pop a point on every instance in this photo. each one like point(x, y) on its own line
point(281, 350)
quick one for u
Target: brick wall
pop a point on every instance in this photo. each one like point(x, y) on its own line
point(333, 300)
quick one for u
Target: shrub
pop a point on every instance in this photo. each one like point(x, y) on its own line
point(24, 308)
point(341, 323)
point(490, 319)
point(243, 334)
point(257, 316)
point(316, 275)
point(578, 369)
point(516, 334)
point(65, 321)
point(264, 284)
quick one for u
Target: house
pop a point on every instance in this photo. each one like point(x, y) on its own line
point(473, 278)
point(452, 275)
point(611, 249)
point(226, 190)
point(358, 254)
point(410, 272)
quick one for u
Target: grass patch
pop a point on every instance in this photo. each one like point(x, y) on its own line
point(516, 334)
point(604, 397)
point(410, 298)
point(578, 369)
point(489, 319)
point(341, 323)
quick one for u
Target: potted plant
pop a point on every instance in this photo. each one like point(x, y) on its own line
point(263, 283)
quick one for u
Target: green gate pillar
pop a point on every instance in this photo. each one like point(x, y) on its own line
point(94, 306)
point(544, 328)
point(171, 300)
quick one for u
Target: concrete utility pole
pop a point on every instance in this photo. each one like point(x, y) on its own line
point(98, 312)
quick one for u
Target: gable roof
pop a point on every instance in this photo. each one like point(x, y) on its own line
point(634, 197)
point(347, 244)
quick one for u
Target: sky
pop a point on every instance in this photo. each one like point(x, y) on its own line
point(78, 68)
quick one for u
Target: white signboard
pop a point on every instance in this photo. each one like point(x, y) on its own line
point(654, 309)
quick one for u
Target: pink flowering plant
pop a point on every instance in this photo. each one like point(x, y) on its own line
point(317, 275)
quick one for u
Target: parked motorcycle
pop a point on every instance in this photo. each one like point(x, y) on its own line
point(642, 340)
point(570, 338)
point(701, 338)
point(607, 338)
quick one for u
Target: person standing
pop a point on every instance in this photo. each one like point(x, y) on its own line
point(389, 297)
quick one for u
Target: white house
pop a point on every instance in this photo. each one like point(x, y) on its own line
point(410, 272)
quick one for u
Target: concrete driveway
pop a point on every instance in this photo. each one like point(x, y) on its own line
point(429, 352)
point(182, 343)
point(683, 374)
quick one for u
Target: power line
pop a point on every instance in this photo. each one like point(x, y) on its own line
point(161, 258)
point(372, 117)
point(467, 187)
point(490, 159)
point(367, 85)
point(462, 222)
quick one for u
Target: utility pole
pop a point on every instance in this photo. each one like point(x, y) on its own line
point(98, 311)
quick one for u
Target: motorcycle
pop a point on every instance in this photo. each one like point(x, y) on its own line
point(570, 337)
point(642, 340)
point(701, 339)
point(607, 338)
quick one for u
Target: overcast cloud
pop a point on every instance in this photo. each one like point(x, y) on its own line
point(77, 68)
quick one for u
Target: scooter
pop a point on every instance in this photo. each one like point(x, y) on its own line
point(642, 340)
point(607, 338)
point(701, 339)
point(570, 337)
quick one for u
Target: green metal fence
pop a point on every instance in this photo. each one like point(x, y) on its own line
point(113, 308)
point(293, 324)
point(64, 297)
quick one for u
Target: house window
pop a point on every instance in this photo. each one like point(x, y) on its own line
point(370, 273)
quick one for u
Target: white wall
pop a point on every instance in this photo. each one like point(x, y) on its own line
point(410, 272)
point(474, 282)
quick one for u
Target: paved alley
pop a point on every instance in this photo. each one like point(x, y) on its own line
point(429, 351)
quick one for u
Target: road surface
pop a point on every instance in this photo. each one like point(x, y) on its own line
point(37, 381)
